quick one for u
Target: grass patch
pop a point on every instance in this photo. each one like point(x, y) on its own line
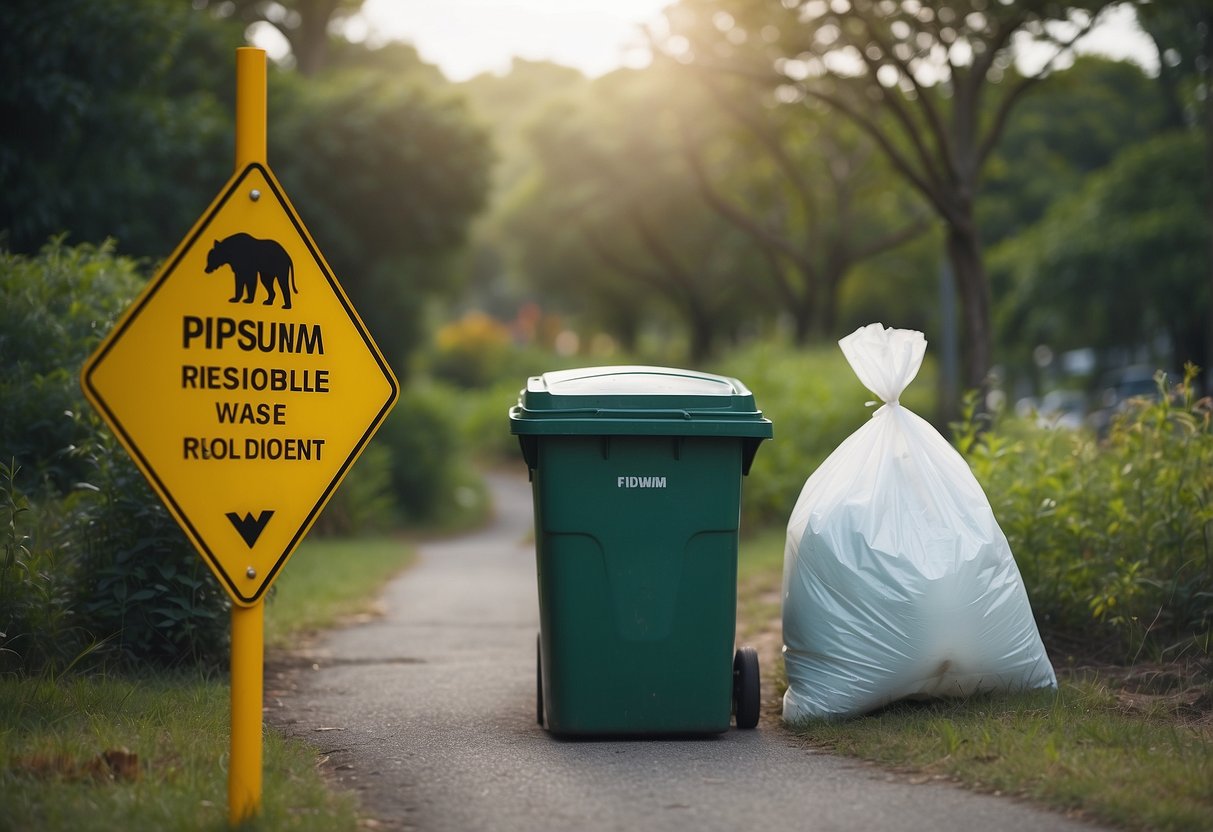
point(150, 751)
point(1077, 749)
point(759, 579)
point(104, 753)
point(328, 580)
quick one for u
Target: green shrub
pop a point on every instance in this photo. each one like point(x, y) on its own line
point(54, 308)
point(482, 408)
point(486, 423)
point(137, 580)
point(98, 560)
point(36, 627)
point(470, 352)
point(1115, 537)
point(364, 502)
point(431, 474)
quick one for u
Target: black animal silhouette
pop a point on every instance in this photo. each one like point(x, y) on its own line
point(251, 258)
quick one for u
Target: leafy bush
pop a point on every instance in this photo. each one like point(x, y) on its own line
point(54, 308)
point(138, 581)
point(431, 474)
point(486, 424)
point(1114, 538)
point(364, 503)
point(102, 561)
point(470, 352)
point(35, 611)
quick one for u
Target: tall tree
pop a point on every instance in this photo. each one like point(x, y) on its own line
point(805, 188)
point(1182, 32)
point(932, 84)
point(614, 218)
point(388, 172)
point(509, 103)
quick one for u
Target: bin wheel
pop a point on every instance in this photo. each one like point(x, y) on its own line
point(539, 679)
point(747, 695)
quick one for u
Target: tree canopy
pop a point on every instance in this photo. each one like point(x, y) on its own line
point(118, 123)
point(931, 84)
point(1136, 237)
point(307, 25)
point(612, 216)
point(388, 173)
point(779, 167)
point(116, 120)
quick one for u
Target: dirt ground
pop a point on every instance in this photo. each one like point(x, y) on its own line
point(1180, 691)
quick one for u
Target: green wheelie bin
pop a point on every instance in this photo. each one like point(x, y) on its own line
point(636, 478)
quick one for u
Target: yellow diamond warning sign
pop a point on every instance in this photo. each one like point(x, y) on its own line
point(243, 383)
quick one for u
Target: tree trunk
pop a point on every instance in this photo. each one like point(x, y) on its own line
point(802, 322)
point(973, 289)
point(702, 331)
point(1208, 125)
point(310, 41)
point(827, 315)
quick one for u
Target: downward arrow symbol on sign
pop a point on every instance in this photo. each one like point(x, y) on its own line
point(249, 528)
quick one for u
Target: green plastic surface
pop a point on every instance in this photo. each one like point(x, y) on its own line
point(636, 545)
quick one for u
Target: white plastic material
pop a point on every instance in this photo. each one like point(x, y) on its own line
point(897, 580)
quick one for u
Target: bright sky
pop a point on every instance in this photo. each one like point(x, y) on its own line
point(1117, 36)
point(467, 37)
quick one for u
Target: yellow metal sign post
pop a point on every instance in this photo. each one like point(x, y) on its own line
point(244, 386)
point(244, 765)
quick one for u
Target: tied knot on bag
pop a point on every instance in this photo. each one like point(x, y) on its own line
point(885, 360)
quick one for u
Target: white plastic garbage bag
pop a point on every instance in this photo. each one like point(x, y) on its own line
point(897, 580)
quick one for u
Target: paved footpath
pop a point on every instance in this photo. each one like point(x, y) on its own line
point(429, 714)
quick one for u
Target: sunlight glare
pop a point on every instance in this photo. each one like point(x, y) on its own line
point(468, 37)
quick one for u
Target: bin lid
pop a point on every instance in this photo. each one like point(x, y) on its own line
point(634, 400)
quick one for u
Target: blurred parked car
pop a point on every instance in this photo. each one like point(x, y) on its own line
point(1129, 383)
point(1062, 409)
point(1121, 386)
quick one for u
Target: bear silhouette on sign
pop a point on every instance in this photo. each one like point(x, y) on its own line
point(251, 258)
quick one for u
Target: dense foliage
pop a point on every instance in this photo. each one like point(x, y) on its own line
point(387, 171)
point(118, 123)
point(54, 309)
point(116, 120)
point(1114, 536)
point(93, 562)
point(1137, 235)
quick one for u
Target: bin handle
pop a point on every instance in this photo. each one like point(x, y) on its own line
point(628, 413)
